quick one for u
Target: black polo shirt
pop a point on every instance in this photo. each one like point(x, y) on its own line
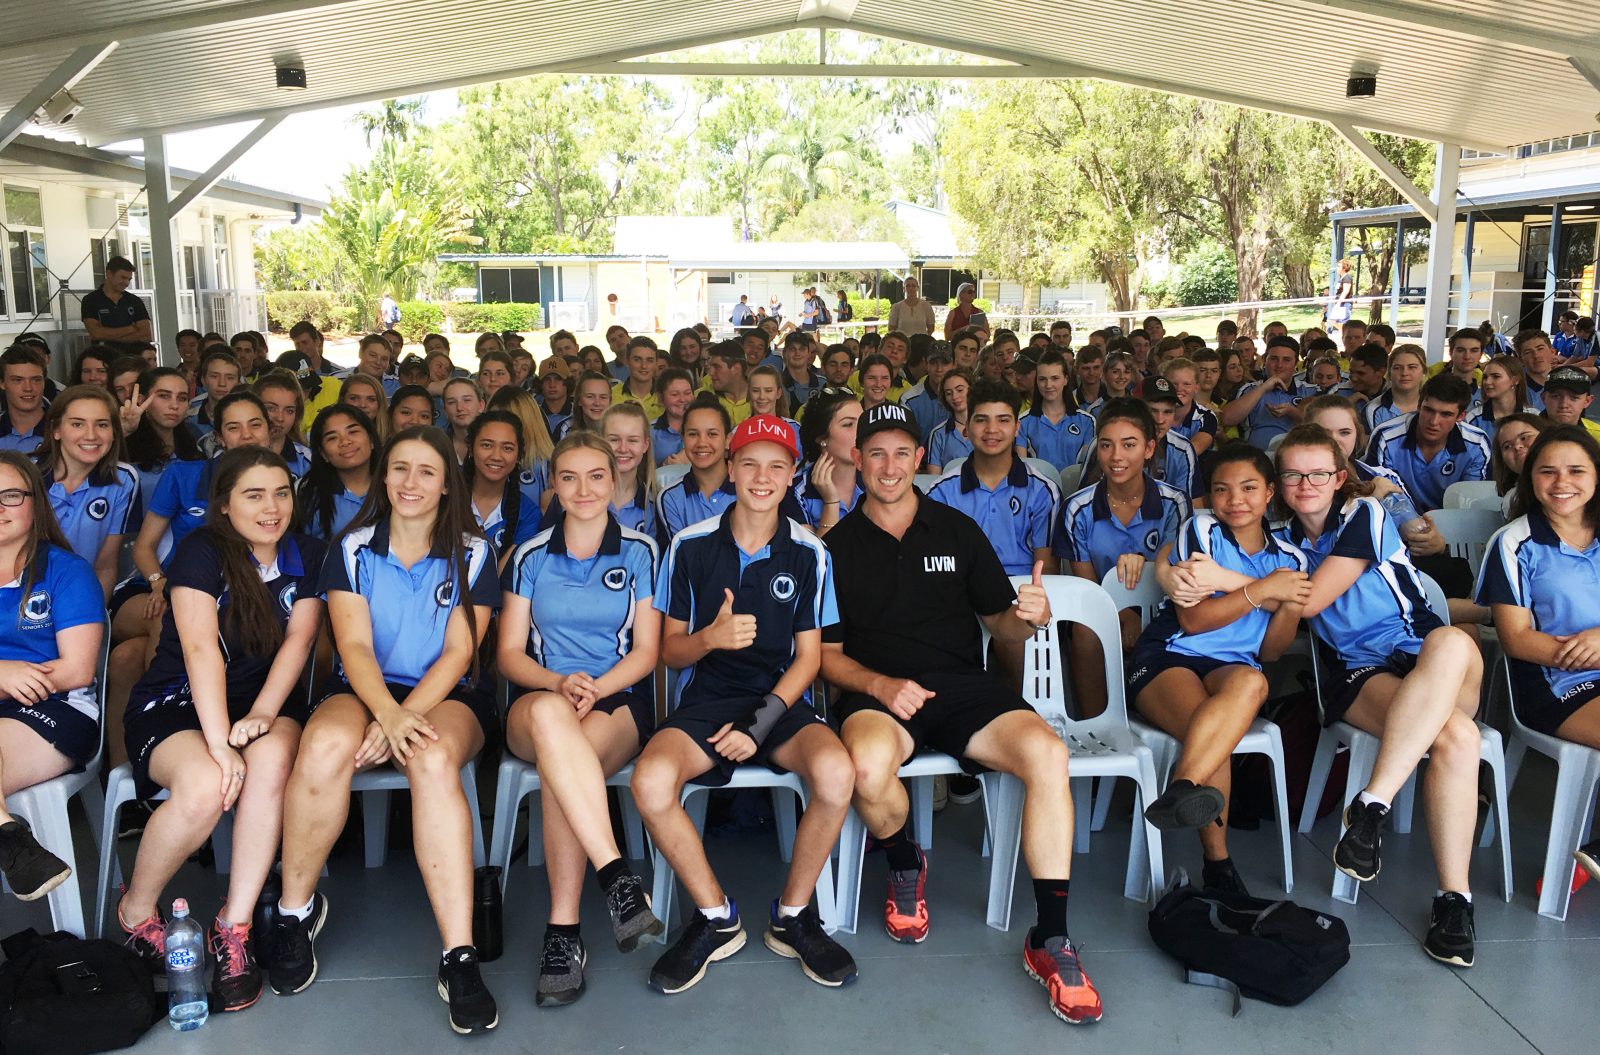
point(115, 314)
point(909, 606)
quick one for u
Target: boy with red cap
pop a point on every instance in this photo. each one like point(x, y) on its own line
point(745, 595)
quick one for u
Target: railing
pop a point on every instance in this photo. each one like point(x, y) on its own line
point(224, 311)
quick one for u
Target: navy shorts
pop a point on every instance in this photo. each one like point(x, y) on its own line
point(701, 720)
point(1542, 710)
point(479, 701)
point(1151, 661)
point(637, 703)
point(147, 725)
point(1342, 683)
point(963, 704)
point(125, 592)
point(59, 724)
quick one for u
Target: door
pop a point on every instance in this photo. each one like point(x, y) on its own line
point(1575, 255)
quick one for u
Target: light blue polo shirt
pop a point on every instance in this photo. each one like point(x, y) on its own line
point(1260, 426)
point(637, 515)
point(805, 492)
point(665, 441)
point(1528, 565)
point(1018, 515)
point(925, 409)
point(1061, 442)
point(346, 504)
point(1386, 609)
point(946, 444)
point(96, 511)
point(534, 481)
point(1177, 464)
point(64, 595)
point(297, 456)
point(410, 607)
point(182, 495)
point(1239, 641)
point(1090, 407)
point(1379, 410)
point(682, 504)
point(1464, 456)
point(495, 524)
point(12, 440)
point(582, 610)
point(1092, 534)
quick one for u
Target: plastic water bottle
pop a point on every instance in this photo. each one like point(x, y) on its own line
point(1402, 512)
point(187, 1006)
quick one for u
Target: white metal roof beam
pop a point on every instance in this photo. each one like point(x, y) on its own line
point(1590, 70)
point(1402, 183)
point(1500, 31)
point(71, 70)
point(131, 28)
point(209, 178)
point(805, 69)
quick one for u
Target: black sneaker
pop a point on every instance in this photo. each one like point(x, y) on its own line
point(235, 978)
point(1185, 804)
point(631, 918)
point(1588, 858)
point(472, 1007)
point(1359, 852)
point(965, 789)
point(294, 953)
point(561, 967)
point(1451, 931)
point(702, 943)
point(1222, 877)
point(132, 818)
point(31, 870)
point(802, 938)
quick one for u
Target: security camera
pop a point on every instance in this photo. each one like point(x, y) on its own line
point(62, 107)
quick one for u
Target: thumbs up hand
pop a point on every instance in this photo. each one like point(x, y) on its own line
point(729, 632)
point(1033, 606)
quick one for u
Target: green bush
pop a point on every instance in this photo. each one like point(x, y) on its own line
point(320, 308)
point(866, 307)
point(418, 318)
point(480, 318)
point(983, 304)
point(1207, 275)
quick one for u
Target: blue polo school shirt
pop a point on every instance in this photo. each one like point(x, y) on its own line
point(1018, 515)
point(1091, 533)
point(92, 513)
point(1059, 442)
point(1464, 456)
point(65, 594)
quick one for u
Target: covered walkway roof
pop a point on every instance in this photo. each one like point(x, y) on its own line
point(184, 64)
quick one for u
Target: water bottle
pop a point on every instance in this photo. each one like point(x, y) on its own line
point(187, 1006)
point(1401, 511)
point(487, 933)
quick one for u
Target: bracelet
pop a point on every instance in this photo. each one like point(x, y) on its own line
point(827, 502)
point(1247, 598)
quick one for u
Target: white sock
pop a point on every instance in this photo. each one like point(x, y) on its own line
point(302, 913)
point(789, 911)
point(1367, 799)
point(722, 911)
point(1463, 893)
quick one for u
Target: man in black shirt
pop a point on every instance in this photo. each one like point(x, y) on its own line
point(114, 316)
point(913, 577)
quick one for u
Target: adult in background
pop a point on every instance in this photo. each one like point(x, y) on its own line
point(912, 315)
point(114, 316)
point(965, 313)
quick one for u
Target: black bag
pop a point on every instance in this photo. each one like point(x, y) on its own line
point(62, 995)
point(1300, 725)
point(1270, 950)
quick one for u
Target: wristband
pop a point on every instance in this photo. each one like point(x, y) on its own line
point(763, 718)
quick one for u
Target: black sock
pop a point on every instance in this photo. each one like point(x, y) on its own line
point(1050, 896)
point(901, 849)
point(1211, 869)
point(568, 929)
point(605, 875)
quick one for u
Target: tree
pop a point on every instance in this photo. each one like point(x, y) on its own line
point(822, 148)
point(732, 139)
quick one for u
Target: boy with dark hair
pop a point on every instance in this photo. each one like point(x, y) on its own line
point(114, 316)
point(219, 375)
point(728, 373)
point(1433, 448)
point(22, 392)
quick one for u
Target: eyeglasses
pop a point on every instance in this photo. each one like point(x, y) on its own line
point(1318, 478)
point(14, 496)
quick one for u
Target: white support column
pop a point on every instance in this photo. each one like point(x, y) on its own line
point(1441, 249)
point(158, 195)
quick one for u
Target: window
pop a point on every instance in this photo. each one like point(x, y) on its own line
point(24, 279)
point(191, 267)
point(501, 285)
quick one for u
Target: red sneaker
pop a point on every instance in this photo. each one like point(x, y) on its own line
point(1073, 997)
point(236, 980)
point(905, 910)
point(148, 938)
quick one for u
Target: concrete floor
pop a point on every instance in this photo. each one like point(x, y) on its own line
point(964, 989)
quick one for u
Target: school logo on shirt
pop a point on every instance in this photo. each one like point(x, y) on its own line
point(36, 611)
point(527, 476)
point(1152, 541)
point(444, 593)
point(615, 579)
point(499, 538)
point(1074, 429)
point(1447, 469)
point(98, 509)
point(286, 596)
point(196, 511)
point(1016, 505)
point(782, 587)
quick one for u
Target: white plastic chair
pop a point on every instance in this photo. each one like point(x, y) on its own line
point(785, 789)
point(1472, 494)
point(1467, 531)
point(374, 787)
point(923, 481)
point(1043, 468)
point(1363, 756)
point(1069, 479)
point(44, 807)
point(1276, 442)
point(1571, 810)
point(1263, 737)
point(667, 475)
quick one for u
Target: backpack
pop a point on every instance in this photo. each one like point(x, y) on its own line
point(62, 995)
point(846, 312)
point(824, 316)
point(1269, 950)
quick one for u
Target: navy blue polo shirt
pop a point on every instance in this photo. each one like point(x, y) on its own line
point(409, 607)
point(1197, 422)
point(292, 578)
point(1059, 442)
point(64, 594)
point(114, 314)
point(1240, 641)
point(12, 440)
point(1386, 609)
point(787, 586)
point(1018, 515)
point(1090, 533)
point(94, 512)
point(182, 495)
point(582, 611)
point(1260, 426)
point(1528, 565)
point(1464, 456)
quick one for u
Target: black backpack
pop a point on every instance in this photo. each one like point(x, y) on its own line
point(62, 995)
point(1270, 950)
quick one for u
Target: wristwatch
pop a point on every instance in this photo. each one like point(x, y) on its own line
point(157, 577)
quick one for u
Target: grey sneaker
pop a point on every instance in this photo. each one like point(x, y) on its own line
point(560, 970)
point(631, 918)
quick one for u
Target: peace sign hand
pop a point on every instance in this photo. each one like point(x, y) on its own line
point(132, 412)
